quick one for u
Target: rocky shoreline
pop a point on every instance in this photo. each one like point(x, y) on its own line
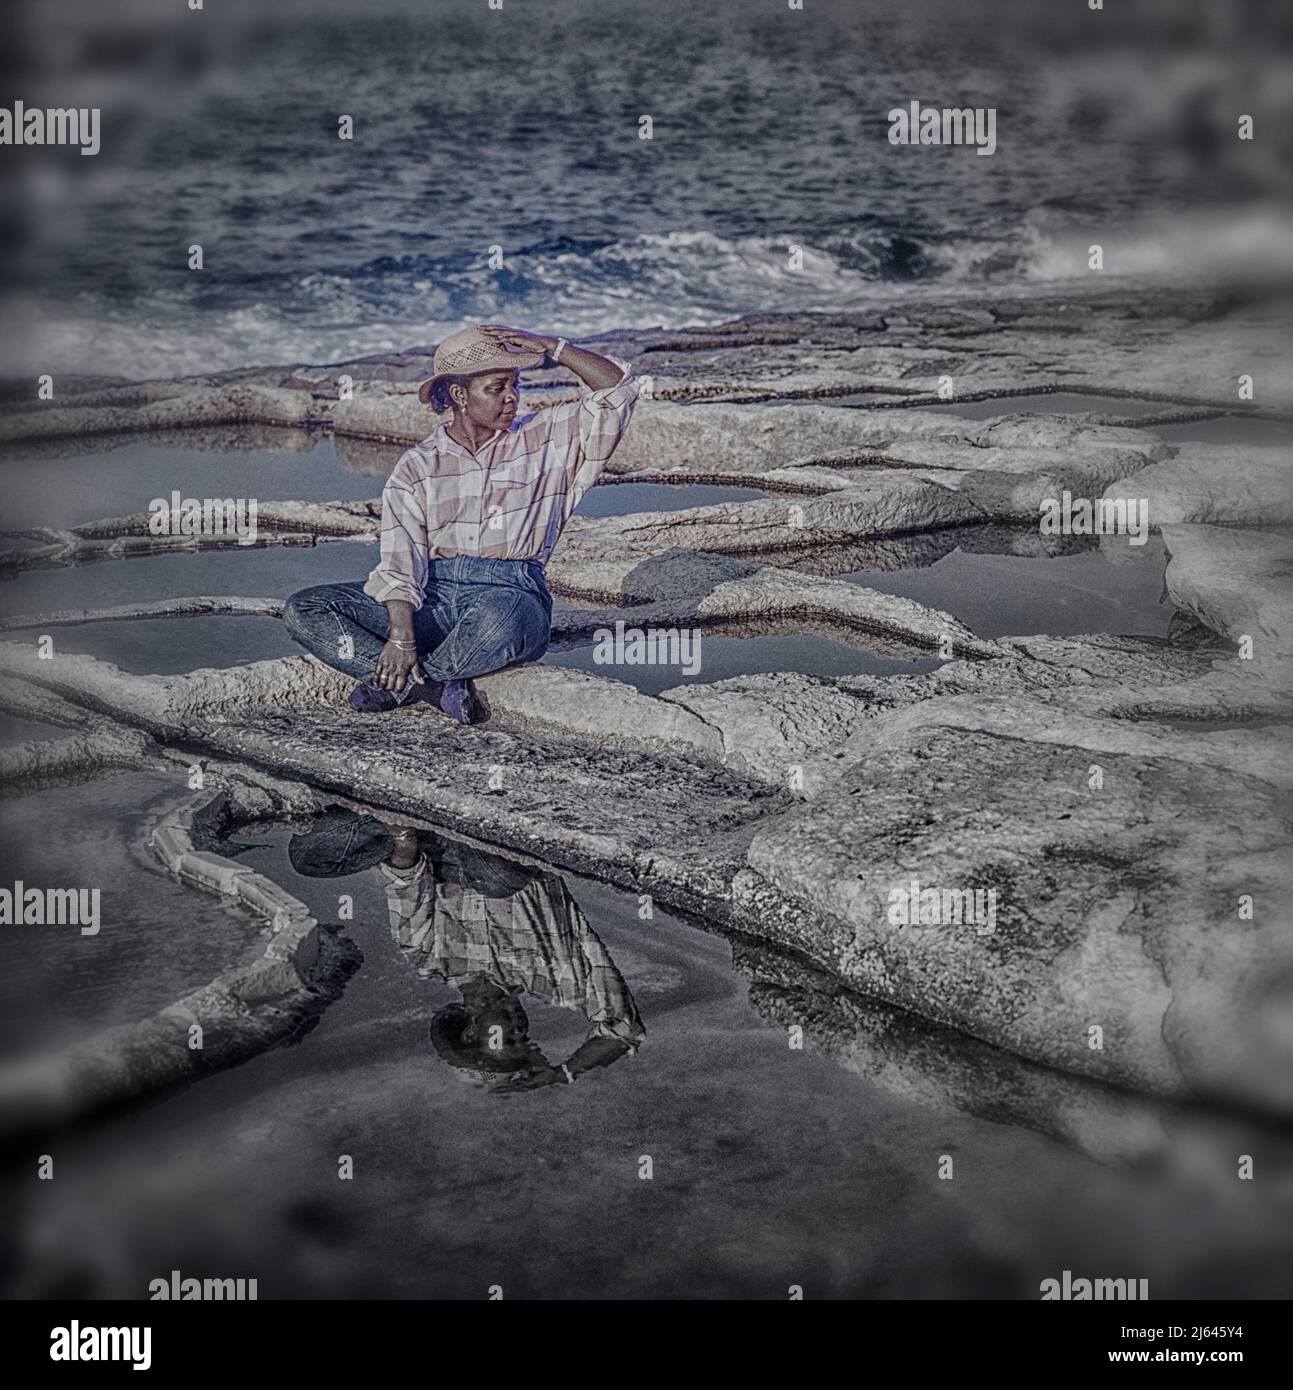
point(1125, 795)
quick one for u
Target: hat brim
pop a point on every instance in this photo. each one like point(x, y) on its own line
point(514, 361)
point(339, 843)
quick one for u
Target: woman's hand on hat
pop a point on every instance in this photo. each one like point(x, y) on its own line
point(518, 338)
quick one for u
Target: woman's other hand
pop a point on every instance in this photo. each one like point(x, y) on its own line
point(393, 667)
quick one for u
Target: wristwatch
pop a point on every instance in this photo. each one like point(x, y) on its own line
point(556, 352)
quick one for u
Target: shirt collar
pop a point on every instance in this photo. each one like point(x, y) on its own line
point(445, 438)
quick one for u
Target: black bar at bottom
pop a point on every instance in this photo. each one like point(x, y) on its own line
point(335, 1338)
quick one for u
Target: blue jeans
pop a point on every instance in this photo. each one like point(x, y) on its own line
point(477, 616)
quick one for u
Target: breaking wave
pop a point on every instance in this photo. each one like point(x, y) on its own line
point(586, 286)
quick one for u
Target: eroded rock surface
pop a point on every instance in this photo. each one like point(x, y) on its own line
point(1118, 906)
point(1215, 485)
point(1238, 583)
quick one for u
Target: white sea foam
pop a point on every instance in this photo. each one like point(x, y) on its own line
point(669, 280)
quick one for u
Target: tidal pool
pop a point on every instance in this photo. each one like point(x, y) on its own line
point(749, 649)
point(14, 730)
point(1050, 403)
point(627, 499)
point(1227, 429)
point(1111, 587)
point(58, 488)
point(168, 646)
point(156, 940)
point(719, 1160)
point(1005, 580)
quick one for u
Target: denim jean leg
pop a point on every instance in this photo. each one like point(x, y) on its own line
point(339, 624)
point(346, 629)
point(431, 624)
point(495, 625)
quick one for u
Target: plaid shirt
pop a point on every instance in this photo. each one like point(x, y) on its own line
point(536, 940)
point(507, 501)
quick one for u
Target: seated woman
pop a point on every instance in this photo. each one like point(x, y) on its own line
point(469, 518)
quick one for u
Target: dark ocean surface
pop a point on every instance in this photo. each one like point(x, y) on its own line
point(518, 129)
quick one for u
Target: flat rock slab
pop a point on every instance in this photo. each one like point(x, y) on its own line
point(663, 824)
point(687, 588)
point(1215, 485)
point(1173, 343)
point(1175, 346)
point(873, 502)
point(1265, 754)
point(1237, 582)
point(1118, 907)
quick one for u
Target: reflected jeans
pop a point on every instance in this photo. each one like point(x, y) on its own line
point(477, 616)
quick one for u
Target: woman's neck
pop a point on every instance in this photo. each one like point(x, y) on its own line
point(470, 436)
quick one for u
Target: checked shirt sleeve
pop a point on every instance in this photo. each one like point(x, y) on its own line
point(579, 437)
point(608, 1003)
point(402, 573)
point(410, 903)
point(604, 415)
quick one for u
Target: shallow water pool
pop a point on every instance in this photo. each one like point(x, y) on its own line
point(1227, 429)
point(121, 478)
point(1049, 403)
point(627, 499)
point(1112, 587)
point(156, 940)
point(721, 1160)
point(753, 649)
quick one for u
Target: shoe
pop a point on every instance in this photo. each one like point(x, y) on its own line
point(426, 693)
point(368, 699)
point(458, 699)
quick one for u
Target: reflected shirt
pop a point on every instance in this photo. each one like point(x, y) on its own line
point(508, 501)
point(535, 940)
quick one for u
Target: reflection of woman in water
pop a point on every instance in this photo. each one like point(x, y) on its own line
point(493, 929)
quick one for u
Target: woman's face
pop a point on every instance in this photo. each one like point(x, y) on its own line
point(491, 399)
point(406, 851)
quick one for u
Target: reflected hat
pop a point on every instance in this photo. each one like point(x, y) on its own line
point(473, 1062)
point(340, 842)
point(471, 351)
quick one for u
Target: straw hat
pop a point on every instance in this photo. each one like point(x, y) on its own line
point(471, 351)
point(340, 842)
